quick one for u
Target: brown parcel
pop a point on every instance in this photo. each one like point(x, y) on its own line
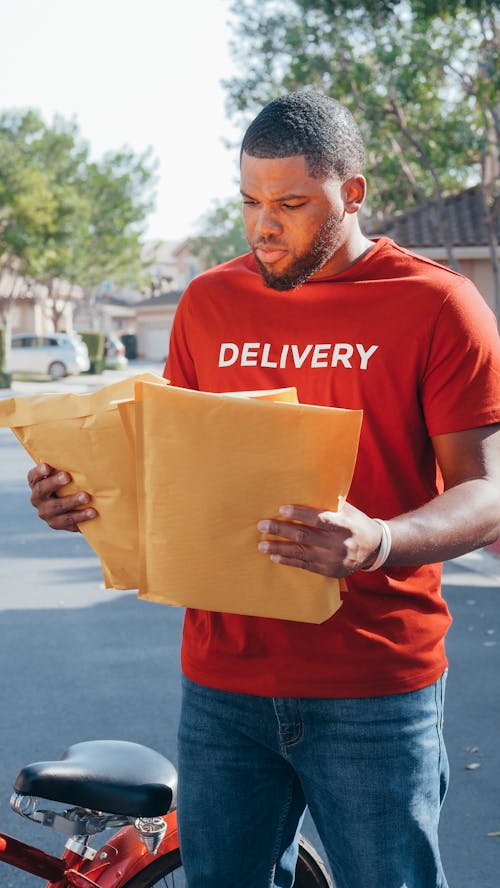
point(209, 466)
point(84, 435)
point(126, 409)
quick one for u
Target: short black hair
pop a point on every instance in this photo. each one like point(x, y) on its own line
point(312, 124)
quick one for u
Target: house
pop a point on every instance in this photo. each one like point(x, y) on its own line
point(418, 230)
point(27, 306)
point(153, 321)
point(105, 315)
point(170, 264)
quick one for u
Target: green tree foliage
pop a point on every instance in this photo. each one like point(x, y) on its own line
point(119, 191)
point(222, 234)
point(423, 9)
point(64, 217)
point(421, 78)
point(413, 85)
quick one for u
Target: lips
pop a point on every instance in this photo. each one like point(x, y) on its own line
point(270, 255)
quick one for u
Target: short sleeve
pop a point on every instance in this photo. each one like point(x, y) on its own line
point(461, 383)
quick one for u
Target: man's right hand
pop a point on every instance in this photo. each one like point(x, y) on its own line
point(59, 512)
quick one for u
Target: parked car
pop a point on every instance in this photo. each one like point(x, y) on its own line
point(56, 355)
point(114, 352)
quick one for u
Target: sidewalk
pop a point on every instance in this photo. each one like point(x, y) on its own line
point(85, 382)
point(481, 561)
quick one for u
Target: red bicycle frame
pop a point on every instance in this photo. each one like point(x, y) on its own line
point(115, 863)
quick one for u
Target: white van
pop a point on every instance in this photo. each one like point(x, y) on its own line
point(56, 355)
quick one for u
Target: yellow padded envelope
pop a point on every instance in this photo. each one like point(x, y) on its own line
point(84, 435)
point(209, 467)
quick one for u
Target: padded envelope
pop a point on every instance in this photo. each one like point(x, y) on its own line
point(209, 466)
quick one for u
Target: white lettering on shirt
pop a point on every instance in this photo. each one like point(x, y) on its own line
point(234, 351)
point(342, 351)
point(250, 354)
point(320, 355)
point(317, 356)
point(365, 355)
point(284, 355)
point(265, 356)
point(299, 358)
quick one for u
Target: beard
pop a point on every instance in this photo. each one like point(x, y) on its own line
point(303, 267)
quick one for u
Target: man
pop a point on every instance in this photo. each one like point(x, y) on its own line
point(345, 716)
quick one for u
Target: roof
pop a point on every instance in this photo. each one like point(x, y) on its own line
point(169, 297)
point(419, 227)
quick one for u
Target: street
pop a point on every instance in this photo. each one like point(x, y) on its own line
point(80, 662)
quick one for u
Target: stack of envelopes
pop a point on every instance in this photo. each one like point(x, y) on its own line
point(180, 479)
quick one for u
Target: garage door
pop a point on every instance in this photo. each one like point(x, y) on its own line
point(153, 343)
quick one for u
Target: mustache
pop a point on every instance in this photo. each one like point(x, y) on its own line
point(269, 244)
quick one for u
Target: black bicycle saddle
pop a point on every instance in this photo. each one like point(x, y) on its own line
point(114, 776)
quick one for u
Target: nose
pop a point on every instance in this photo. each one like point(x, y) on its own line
point(267, 223)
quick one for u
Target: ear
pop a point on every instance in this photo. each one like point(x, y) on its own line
point(353, 193)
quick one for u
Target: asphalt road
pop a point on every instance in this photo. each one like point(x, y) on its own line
point(78, 662)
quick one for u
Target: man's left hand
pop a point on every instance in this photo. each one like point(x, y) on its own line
point(333, 544)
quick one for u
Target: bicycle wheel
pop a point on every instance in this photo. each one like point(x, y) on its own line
point(167, 871)
point(311, 871)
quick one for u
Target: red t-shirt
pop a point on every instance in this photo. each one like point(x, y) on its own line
point(416, 347)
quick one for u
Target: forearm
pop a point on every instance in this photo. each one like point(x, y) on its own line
point(463, 518)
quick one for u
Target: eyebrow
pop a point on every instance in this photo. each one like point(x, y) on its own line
point(278, 199)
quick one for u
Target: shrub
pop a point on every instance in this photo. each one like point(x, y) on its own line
point(95, 343)
point(5, 378)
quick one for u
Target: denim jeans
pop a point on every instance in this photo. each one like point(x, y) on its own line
point(373, 772)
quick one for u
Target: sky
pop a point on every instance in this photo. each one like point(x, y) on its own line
point(135, 72)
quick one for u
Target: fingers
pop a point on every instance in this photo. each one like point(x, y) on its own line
point(333, 544)
point(59, 512)
point(318, 546)
point(66, 512)
point(313, 517)
point(303, 534)
point(313, 559)
point(39, 472)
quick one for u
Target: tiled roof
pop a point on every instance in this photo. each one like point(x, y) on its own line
point(419, 227)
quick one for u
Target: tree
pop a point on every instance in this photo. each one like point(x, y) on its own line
point(222, 234)
point(421, 78)
point(67, 221)
point(119, 191)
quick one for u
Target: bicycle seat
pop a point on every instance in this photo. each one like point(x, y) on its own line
point(114, 776)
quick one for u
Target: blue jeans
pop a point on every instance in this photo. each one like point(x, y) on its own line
point(373, 772)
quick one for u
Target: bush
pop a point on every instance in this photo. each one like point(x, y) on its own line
point(95, 343)
point(3, 349)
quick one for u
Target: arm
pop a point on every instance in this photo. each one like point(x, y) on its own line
point(60, 513)
point(464, 517)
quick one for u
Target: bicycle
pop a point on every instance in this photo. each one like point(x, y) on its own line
point(113, 784)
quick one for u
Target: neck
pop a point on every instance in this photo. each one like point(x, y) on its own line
point(350, 250)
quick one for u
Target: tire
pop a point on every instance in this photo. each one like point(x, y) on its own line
point(57, 370)
point(167, 872)
point(311, 871)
